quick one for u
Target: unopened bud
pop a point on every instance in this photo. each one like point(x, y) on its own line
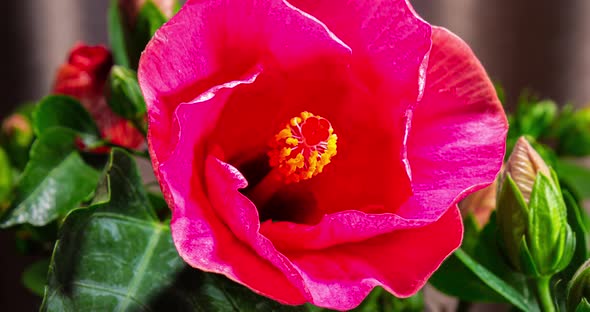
point(18, 128)
point(17, 136)
point(523, 166)
point(532, 216)
point(124, 94)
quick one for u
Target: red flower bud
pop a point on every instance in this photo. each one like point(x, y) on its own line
point(84, 77)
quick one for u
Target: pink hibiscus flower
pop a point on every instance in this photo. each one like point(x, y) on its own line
point(312, 150)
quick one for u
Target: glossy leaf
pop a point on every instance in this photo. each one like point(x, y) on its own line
point(116, 256)
point(55, 181)
point(67, 112)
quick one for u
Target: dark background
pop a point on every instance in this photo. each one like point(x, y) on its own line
point(536, 44)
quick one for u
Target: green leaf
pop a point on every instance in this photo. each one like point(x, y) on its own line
point(116, 256)
point(55, 181)
point(117, 35)
point(573, 132)
point(67, 112)
point(575, 220)
point(491, 280)
point(149, 19)
point(584, 306)
point(538, 117)
point(457, 279)
point(35, 277)
point(574, 176)
point(471, 233)
point(125, 97)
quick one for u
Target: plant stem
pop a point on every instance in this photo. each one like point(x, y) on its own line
point(544, 294)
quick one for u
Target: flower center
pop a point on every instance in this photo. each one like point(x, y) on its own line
point(303, 148)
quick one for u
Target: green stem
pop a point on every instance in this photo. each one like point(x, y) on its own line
point(544, 294)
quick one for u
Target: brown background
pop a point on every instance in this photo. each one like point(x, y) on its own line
point(536, 44)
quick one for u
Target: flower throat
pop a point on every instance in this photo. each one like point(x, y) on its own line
point(300, 151)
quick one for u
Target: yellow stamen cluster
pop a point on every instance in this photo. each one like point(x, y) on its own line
point(297, 157)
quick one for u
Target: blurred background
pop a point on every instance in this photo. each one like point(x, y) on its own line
point(533, 44)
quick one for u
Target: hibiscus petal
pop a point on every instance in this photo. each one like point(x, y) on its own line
point(389, 43)
point(457, 131)
point(216, 42)
point(402, 261)
point(385, 34)
point(202, 237)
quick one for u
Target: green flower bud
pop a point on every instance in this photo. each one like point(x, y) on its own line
point(17, 137)
point(17, 128)
point(578, 290)
point(532, 216)
point(124, 94)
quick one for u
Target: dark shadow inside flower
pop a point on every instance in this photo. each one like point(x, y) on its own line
point(290, 203)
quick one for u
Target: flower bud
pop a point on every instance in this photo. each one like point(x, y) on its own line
point(480, 204)
point(578, 289)
point(84, 76)
point(17, 136)
point(18, 128)
point(532, 216)
point(124, 94)
point(523, 165)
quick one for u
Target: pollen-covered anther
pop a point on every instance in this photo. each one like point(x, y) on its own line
point(303, 148)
